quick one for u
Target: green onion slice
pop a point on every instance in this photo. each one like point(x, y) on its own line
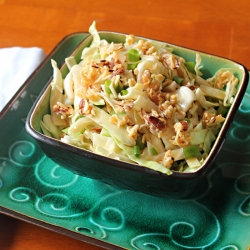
point(124, 92)
point(139, 143)
point(137, 151)
point(153, 151)
point(133, 55)
point(191, 151)
point(178, 79)
point(131, 66)
point(106, 86)
point(222, 110)
point(118, 88)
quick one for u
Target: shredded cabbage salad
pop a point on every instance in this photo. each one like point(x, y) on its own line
point(138, 102)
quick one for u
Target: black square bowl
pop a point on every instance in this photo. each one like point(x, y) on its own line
point(127, 175)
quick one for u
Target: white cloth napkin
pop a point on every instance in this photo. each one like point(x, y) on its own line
point(16, 65)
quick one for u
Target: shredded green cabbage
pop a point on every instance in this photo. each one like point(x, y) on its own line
point(122, 96)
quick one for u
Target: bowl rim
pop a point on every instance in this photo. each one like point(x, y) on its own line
point(217, 145)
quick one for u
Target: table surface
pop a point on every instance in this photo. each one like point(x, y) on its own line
point(217, 27)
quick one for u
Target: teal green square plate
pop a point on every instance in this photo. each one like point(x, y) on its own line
point(36, 189)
